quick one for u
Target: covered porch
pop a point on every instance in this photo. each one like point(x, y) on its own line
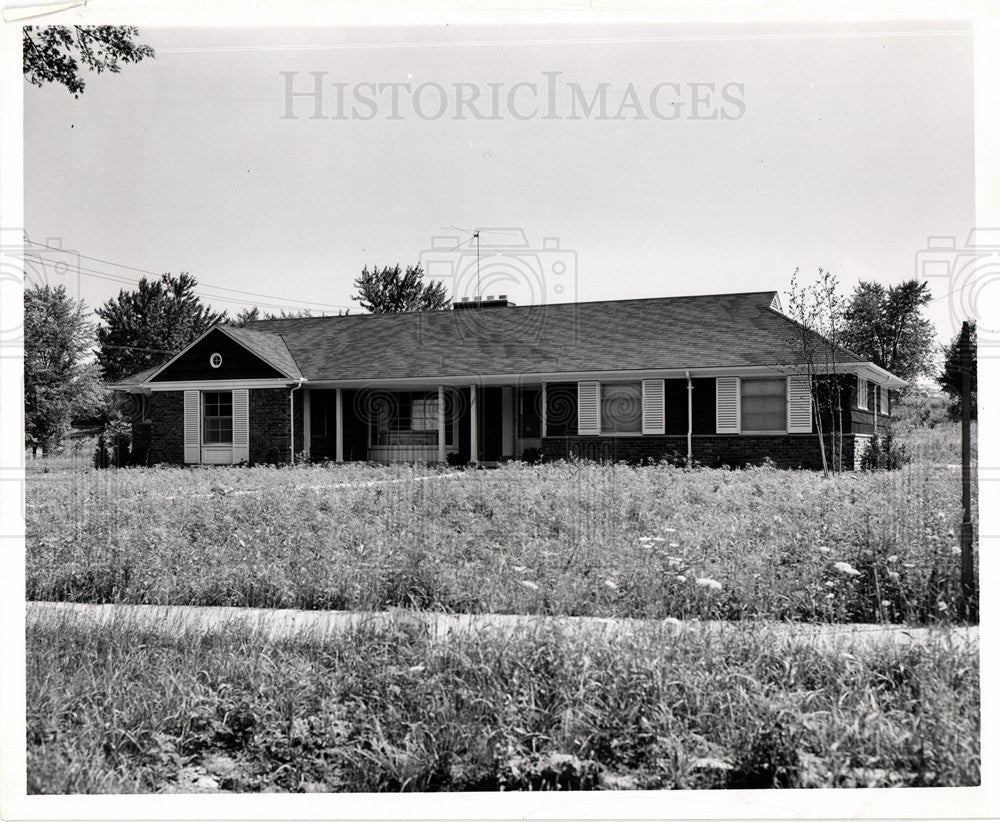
point(465, 423)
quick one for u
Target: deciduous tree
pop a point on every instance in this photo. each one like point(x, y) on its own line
point(58, 54)
point(390, 290)
point(885, 325)
point(249, 315)
point(817, 309)
point(142, 327)
point(57, 380)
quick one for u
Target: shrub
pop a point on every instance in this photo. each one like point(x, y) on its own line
point(531, 456)
point(884, 452)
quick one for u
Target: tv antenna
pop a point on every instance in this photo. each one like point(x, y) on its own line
point(474, 234)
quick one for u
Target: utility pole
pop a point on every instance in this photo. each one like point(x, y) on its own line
point(969, 597)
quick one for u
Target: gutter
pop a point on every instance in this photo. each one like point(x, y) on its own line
point(291, 419)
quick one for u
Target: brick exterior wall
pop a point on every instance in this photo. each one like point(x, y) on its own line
point(733, 450)
point(166, 440)
point(269, 425)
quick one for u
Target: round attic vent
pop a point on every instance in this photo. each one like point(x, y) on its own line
point(215, 360)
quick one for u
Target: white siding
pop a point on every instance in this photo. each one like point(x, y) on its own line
point(727, 405)
point(192, 426)
point(652, 407)
point(588, 401)
point(799, 405)
point(241, 425)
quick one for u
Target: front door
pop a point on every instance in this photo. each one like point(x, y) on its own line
point(491, 424)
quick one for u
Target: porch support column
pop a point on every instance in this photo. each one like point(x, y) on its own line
point(474, 426)
point(441, 426)
point(545, 405)
point(306, 422)
point(340, 425)
point(690, 416)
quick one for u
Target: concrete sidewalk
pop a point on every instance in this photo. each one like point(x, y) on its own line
point(283, 624)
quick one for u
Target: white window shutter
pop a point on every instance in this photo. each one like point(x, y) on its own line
point(192, 426)
point(652, 407)
point(588, 403)
point(241, 425)
point(727, 405)
point(799, 405)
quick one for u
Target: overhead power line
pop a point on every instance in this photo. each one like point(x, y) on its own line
point(202, 285)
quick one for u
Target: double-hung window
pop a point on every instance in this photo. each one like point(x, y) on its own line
point(763, 404)
point(217, 417)
point(621, 408)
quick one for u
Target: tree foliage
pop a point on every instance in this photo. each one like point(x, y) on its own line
point(249, 315)
point(142, 328)
point(950, 378)
point(389, 290)
point(58, 383)
point(58, 54)
point(885, 325)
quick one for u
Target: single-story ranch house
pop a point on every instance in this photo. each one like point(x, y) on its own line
point(712, 378)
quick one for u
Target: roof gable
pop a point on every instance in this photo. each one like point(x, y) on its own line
point(239, 357)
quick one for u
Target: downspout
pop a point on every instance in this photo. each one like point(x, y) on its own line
point(687, 374)
point(291, 420)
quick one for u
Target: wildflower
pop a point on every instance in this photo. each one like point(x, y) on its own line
point(706, 582)
point(416, 669)
point(611, 584)
point(520, 569)
point(645, 539)
point(674, 562)
point(893, 574)
point(681, 578)
point(956, 550)
point(529, 584)
point(886, 603)
point(893, 558)
point(830, 583)
point(830, 596)
point(675, 545)
point(847, 568)
point(670, 530)
point(657, 539)
point(942, 606)
point(824, 549)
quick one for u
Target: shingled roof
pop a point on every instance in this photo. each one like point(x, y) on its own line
point(714, 331)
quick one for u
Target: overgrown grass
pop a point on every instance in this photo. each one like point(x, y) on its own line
point(114, 709)
point(922, 425)
point(565, 538)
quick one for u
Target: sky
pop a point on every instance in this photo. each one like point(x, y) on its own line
point(840, 147)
